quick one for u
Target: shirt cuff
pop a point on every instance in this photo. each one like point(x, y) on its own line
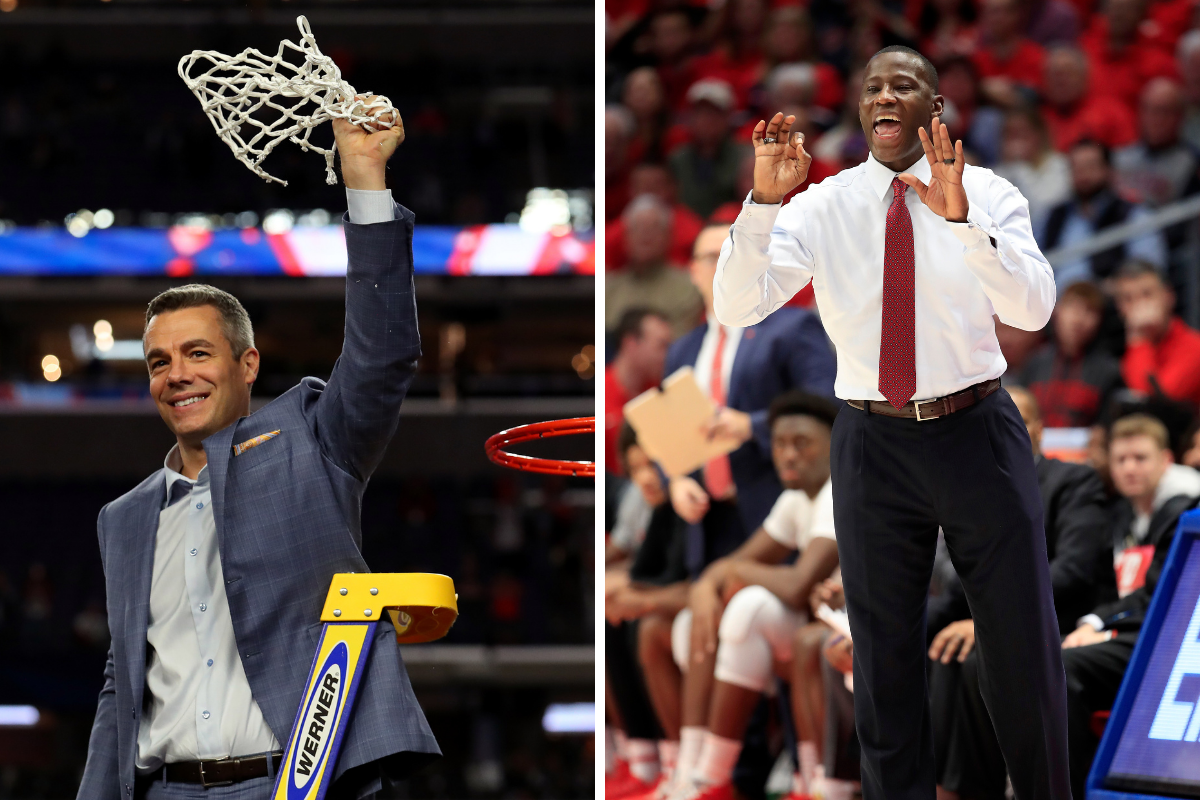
point(367, 207)
point(1093, 620)
point(757, 217)
point(977, 229)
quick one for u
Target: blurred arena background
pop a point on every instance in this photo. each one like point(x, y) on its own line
point(113, 186)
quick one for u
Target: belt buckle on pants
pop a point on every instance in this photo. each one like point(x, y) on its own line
point(207, 783)
point(917, 405)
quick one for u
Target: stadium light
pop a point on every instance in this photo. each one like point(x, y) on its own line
point(19, 716)
point(569, 718)
point(51, 368)
point(104, 218)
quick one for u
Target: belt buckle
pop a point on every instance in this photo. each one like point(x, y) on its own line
point(206, 783)
point(917, 406)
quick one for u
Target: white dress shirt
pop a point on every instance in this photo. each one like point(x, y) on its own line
point(707, 356)
point(198, 703)
point(833, 235)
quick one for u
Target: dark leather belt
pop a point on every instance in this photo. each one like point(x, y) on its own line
point(922, 410)
point(224, 772)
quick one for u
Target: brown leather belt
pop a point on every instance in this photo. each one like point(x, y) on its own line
point(224, 772)
point(922, 410)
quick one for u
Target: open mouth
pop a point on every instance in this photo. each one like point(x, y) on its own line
point(887, 127)
point(188, 402)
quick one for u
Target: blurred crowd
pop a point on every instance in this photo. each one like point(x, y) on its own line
point(727, 646)
point(1091, 109)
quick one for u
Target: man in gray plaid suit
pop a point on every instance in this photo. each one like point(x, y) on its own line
point(217, 565)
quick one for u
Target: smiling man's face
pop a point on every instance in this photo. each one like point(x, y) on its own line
point(896, 100)
point(195, 380)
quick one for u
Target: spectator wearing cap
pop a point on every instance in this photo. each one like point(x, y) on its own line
point(1073, 379)
point(1187, 58)
point(1006, 58)
point(1028, 162)
point(619, 127)
point(1158, 168)
point(1122, 61)
point(654, 179)
point(648, 279)
point(706, 167)
point(641, 339)
point(1094, 206)
point(1162, 354)
point(1073, 112)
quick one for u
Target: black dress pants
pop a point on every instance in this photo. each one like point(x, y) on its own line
point(972, 472)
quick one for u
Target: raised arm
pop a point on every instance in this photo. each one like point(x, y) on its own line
point(356, 414)
point(762, 265)
point(1000, 248)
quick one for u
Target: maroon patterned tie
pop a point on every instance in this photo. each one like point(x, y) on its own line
point(897, 344)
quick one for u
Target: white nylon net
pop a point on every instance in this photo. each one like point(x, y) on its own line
point(237, 91)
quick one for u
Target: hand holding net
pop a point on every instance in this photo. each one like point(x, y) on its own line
point(237, 92)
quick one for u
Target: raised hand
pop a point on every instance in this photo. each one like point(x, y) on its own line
point(781, 165)
point(364, 155)
point(944, 195)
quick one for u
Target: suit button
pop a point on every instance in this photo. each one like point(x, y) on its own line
point(133, 713)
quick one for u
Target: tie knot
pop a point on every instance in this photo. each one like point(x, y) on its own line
point(898, 187)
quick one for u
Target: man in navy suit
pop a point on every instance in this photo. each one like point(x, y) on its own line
point(216, 566)
point(743, 370)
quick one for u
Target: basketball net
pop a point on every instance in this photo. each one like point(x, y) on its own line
point(237, 88)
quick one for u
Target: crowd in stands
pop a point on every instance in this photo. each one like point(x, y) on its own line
point(727, 645)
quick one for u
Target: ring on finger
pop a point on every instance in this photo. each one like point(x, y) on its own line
point(769, 140)
point(948, 161)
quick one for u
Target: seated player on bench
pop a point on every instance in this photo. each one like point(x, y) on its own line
point(747, 606)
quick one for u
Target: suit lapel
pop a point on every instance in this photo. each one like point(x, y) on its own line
point(142, 526)
point(219, 449)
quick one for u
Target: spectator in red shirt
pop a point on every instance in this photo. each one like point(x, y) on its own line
point(789, 41)
point(670, 40)
point(947, 28)
point(1073, 112)
point(1162, 354)
point(1122, 60)
point(735, 54)
point(643, 95)
point(1007, 59)
point(654, 179)
point(641, 338)
point(1071, 378)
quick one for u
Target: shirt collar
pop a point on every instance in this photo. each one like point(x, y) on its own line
point(172, 466)
point(880, 177)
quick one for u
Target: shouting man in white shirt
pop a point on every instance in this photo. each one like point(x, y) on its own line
point(910, 255)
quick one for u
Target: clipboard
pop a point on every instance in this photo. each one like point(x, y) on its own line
point(669, 424)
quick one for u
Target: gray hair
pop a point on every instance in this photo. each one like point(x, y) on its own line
point(235, 322)
point(648, 202)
